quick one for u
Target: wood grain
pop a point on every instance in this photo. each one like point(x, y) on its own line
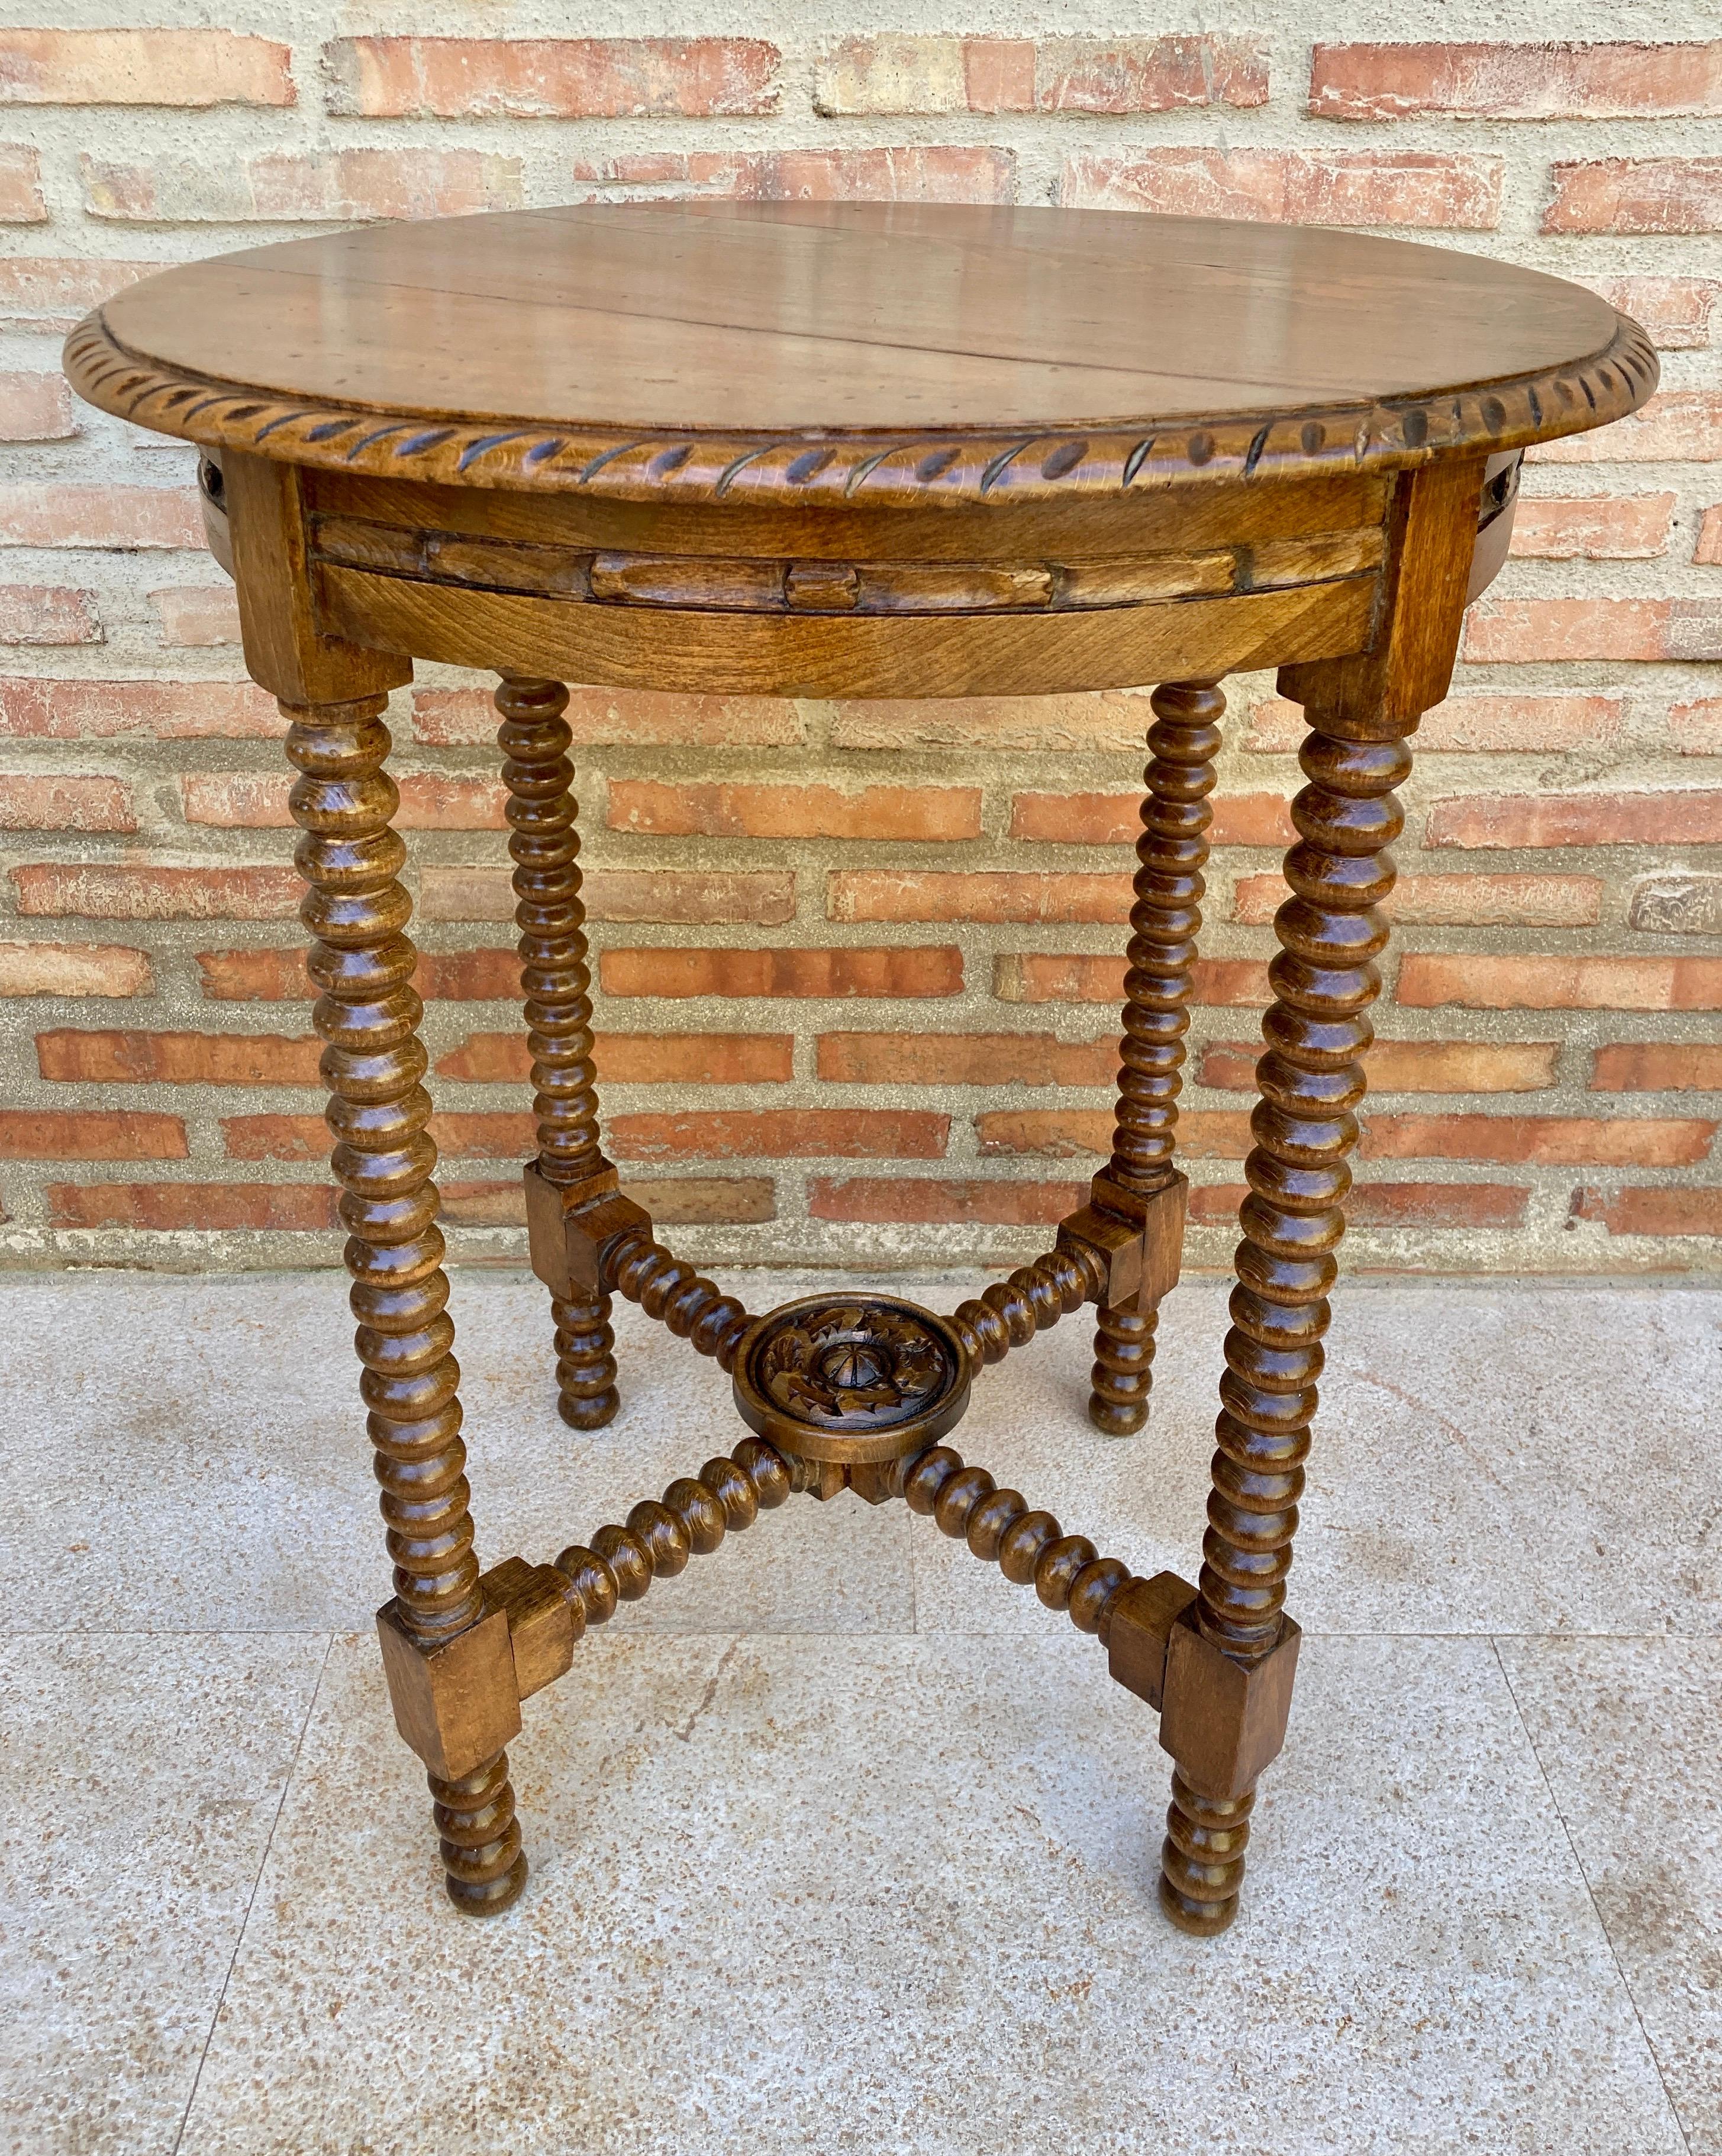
point(832, 352)
point(1001, 654)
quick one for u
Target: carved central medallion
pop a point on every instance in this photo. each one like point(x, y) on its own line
point(856, 1379)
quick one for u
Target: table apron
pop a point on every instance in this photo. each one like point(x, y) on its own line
point(737, 653)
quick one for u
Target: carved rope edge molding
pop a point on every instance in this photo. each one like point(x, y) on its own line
point(907, 469)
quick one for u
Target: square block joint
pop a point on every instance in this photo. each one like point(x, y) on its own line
point(1140, 1236)
point(541, 1625)
point(1222, 1721)
point(454, 1700)
point(1138, 1626)
point(569, 1227)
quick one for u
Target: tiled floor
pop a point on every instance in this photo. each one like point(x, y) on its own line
point(839, 1844)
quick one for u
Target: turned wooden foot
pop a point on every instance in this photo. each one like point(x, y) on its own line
point(1123, 1362)
point(1202, 1858)
point(586, 1395)
point(481, 1854)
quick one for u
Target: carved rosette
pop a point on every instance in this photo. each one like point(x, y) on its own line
point(856, 1378)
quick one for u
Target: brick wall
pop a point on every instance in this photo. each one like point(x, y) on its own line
point(884, 938)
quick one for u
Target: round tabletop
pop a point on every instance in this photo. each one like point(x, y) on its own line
point(819, 351)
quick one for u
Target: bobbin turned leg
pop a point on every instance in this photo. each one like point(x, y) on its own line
point(1164, 923)
point(448, 1658)
point(1232, 1654)
point(555, 980)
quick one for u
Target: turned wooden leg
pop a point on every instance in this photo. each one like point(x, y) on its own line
point(1164, 923)
point(368, 1014)
point(1311, 1081)
point(556, 980)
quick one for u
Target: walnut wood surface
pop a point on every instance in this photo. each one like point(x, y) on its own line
point(555, 983)
point(832, 352)
point(1166, 920)
point(384, 1157)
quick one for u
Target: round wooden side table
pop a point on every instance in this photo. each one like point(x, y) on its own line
point(837, 450)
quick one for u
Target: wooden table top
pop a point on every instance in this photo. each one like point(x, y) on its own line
point(822, 352)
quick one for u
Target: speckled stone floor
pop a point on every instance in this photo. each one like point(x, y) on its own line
point(838, 1843)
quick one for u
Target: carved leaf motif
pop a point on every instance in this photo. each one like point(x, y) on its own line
point(851, 1363)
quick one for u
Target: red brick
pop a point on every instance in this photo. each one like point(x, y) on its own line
point(36, 407)
point(1707, 546)
point(1499, 725)
point(185, 68)
point(1617, 1142)
point(277, 974)
point(74, 969)
point(1390, 1204)
point(672, 1201)
point(977, 894)
point(431, 801)
point(190, 1206)
point(939, 173)
point(1083, 721)
point(484, 1137)
point(945, 75)
point(965, 1058)
point(551, 78)
point(1675, 312)
point(1111, 819)
point(32, 709)
point(89, 1134)
point(179, 1059)
point(21, 201)
point(1539, 81)
point(1437, 1205)
point(895, 971)
point(1683, 817)
point(1654, 1212)
point(55, 801)
point(276, 1138)
point(1521, 632)
point(128, 516)
point(1291, 187)
point(96, 892)
point(1149, 74)
point(1410, 1066)
point(638, 1059)
point(699, 895)
point(47, 614)
point(1676, 424)
point(302, 185)
point(196, 617)
point(1633, 527)
point(54, 290)
point(479, 975)
point(669, 809)
point(781, 1134)
point(1471, 901)
point(1080, 977)
point(1659, 1066)
point(1635, 195)
point(619, 718)
point(903, 74)
point(1477, 980)
point(1203, 1133)
point(926, 1200)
